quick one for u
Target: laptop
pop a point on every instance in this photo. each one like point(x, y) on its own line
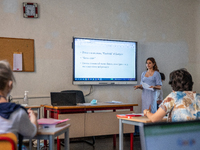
point(171, 136)
point(63, 99)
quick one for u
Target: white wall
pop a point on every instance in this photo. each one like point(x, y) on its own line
point(165, 29)
point(194, 66)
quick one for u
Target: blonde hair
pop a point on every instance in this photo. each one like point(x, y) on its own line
point(6, 74)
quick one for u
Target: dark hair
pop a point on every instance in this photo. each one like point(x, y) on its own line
point(155, 67)
point(181, 80)
point(162, 76)
point(6, 74)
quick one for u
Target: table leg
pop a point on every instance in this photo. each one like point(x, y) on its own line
point(58, 143)
point(45, 112)
point(120, 134)
point(30, 144)
point(45, 116)
point(131, 136)
point(55, 116)
point(66, 140)
point(38, 111)
point(131, 109)
point(38, 144)
point(114, 140)
point(142, 137)
point(114, 136)
point(51, 143)
point(38, 141)
point(131, 141)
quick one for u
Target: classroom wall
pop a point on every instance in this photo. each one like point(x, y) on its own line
point(194, 66)
point(165, 29)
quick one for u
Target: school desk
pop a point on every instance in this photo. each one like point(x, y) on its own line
point(91, 120)
point(136, 121)
point(50, 134)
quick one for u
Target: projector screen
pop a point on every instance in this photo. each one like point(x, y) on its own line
point(104, 62)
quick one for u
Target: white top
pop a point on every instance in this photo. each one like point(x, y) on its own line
point(18, 122)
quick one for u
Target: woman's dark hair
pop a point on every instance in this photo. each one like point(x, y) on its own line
point(162, 76)
point(155, 67)
point(181, 80)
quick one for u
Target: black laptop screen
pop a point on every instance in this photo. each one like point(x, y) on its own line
point(63, 99)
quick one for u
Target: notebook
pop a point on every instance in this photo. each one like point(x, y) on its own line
point(171, 136)
point(63, 99)
point(51, 123)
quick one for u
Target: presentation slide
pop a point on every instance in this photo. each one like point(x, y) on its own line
point(105, 59)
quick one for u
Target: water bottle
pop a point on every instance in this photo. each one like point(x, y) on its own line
point(26, 98)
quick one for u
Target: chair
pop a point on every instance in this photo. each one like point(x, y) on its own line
point(8, 141)
point(79, 95)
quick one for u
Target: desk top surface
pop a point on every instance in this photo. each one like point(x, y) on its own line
point(142, 119)
point(98, 105)
point(33, 106)
point(52, 131)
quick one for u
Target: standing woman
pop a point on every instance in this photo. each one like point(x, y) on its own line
point(150, 82)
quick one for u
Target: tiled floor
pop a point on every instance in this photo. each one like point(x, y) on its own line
point(101, 143)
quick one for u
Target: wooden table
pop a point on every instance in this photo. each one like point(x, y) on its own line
point(50, 134)
point(54, 112)
point(137, 121)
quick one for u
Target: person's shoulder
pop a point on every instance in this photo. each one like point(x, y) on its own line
point(144, 72)
point(156, 72)
point(181, 94)
point(172, 94)
point(21, 112)
point(170, 98)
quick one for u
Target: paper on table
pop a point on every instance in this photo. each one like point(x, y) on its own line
point(17, 61)
point(142, 114)
point(146, 86)
point(114, 102)
point(130, 115)
point(84, 104)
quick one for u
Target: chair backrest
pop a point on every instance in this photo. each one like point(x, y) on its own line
point(79, 95)
point(8, 141)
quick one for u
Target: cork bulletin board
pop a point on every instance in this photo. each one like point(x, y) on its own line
point(9, 46)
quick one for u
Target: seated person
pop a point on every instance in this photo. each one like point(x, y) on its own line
point(182, 103)
point(13, 117)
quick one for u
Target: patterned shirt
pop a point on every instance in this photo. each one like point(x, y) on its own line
point(182, 105)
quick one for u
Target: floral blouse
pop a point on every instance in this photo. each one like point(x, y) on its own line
point(182, 105)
